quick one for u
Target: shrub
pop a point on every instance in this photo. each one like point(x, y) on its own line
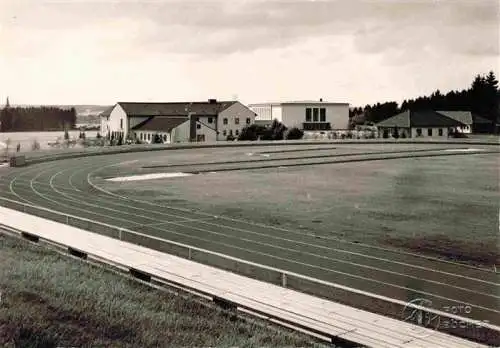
point(98, 136)
point(82, 135)
point(251, 133)
point(395, 134)
point(294, 134)
point(403, 135)
point(230, 138)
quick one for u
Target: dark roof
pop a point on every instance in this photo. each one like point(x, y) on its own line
point(427, 118)
point(160, 124)
point(174, 109)
point(461, 116)
point(107, 112)
point(401, 120)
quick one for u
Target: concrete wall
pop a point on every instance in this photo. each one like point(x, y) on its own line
point(235, 111)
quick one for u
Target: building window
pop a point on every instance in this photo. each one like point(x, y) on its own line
point(440, 132)
point(322, 115)
point(237, 132)
point(429, 132)
point(308, 114)
point(149, 136)
point(315, 115)
point(210, 120)
point(419, 132)
point(198, 126)
point(197, 119)
point(224, 132)
point(231, 132)
point(236, 120)
point(121, 123)
point(248, 120)
point(224, 121)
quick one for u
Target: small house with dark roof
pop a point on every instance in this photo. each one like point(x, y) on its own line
point(177, 121)
point(415, 124)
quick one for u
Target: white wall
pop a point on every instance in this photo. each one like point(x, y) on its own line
point(435, 132)
point(104, 129)
point(237, 110)
point(277, 113)
point(118, 114)
point(295, 114)
point(464, 129)
point(148, 136)
point(181, 133)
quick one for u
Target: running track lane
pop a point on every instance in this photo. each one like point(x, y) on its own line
point(63, 186)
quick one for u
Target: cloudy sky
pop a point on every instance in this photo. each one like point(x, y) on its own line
point(356, 51)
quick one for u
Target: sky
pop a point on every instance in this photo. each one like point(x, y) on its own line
point(355, 51)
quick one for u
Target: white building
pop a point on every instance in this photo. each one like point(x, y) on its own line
point(305, 115)
point(176, 122)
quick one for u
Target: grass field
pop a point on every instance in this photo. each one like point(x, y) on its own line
point(49, 300)
point(444, 206)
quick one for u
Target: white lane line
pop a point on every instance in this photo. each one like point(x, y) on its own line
point(178, 222)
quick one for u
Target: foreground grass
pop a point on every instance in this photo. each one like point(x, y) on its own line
point(50, 300)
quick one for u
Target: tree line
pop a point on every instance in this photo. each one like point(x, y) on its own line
point(481, 98)
point(42, 118)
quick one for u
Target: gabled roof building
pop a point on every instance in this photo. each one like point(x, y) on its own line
point(177, 121)
point(414, 124)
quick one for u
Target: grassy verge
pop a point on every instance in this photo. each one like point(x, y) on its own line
point(50, 300)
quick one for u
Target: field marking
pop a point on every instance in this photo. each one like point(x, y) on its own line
point(130, 199)
point(463, 150)
point(152, 176)
point(293, 261)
